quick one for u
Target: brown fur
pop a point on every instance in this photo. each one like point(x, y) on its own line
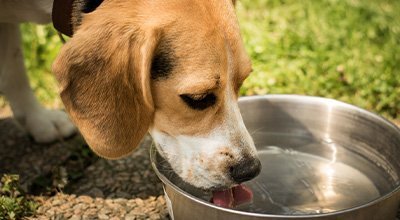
point(105, 69)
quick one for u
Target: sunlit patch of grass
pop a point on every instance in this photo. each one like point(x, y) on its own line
point(346, 50)
point(41, 45)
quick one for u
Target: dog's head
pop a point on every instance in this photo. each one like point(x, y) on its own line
point(173, 68)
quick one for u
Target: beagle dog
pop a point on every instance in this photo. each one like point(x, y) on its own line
point(171, 68)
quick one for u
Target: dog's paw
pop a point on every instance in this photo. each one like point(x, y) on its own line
point(46, 126)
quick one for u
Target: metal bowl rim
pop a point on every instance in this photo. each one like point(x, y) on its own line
point(309, 99)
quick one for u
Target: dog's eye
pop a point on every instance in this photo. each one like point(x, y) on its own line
point(199, 102)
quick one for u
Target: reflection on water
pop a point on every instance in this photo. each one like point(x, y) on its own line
point(299, 183)
point(302, 181)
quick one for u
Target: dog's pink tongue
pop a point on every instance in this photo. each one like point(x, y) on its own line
point(242, 194)
point(223, 198)
point(232, 197)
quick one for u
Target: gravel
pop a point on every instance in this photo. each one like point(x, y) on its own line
point(101, 189)
point(124, 178)
point(64, 206)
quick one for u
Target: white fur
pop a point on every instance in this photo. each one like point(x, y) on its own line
point(186, 152)
point(44, 125)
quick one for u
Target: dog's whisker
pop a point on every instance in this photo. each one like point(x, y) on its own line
point(253, 132)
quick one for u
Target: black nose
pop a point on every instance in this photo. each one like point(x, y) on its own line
point(245, 170)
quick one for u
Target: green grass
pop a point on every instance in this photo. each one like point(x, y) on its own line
point(41, 46)
point(343, 49)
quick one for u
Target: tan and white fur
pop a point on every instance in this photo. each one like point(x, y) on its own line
point(172, 68)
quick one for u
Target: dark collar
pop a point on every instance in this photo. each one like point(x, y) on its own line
point(67, 14)
point(62, 16)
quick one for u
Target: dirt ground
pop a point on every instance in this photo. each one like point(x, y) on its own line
point(97, 188)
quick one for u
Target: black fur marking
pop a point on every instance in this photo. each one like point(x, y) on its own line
point(90, 5)
point(199, 104)
point(163, 61)
point(80, 7)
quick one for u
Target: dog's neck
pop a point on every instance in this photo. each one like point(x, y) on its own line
point(67, 14)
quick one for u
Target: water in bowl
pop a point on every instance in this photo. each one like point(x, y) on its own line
point(301, 175)
point(299, 183)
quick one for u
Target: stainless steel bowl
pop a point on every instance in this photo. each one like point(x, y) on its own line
point(322, 159)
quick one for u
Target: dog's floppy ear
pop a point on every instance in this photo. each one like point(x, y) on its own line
point(104, 78)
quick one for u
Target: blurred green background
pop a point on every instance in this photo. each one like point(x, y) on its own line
point(343, 49)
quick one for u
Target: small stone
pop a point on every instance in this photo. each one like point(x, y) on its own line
point(161, 200)
point(142, 188)
point(67, 214)
point(50, 212)
point(56, 202)
point(58, 216)
point(65, 206)
point(96, 192)
point(99, 205)
point(109, 181)
point(115, 206)
point(78, 211)
point(122, 195)
point(105, 211)
point(91, 211)
point(137, 212)
point(139, 202)
point(80, 206)
point(43, 209)
point(123, 211)
point(86, 199)
point(75, 217)
point(154, 216)
point(121, 201)
point(122, 178)
point(109, 201)
point(103, 216)
point(71, 197)
point(99, 201)
point(131, 203)
point(130, 217)
point(111, 196)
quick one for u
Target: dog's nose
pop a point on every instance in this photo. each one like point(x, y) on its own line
point(245, 170)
